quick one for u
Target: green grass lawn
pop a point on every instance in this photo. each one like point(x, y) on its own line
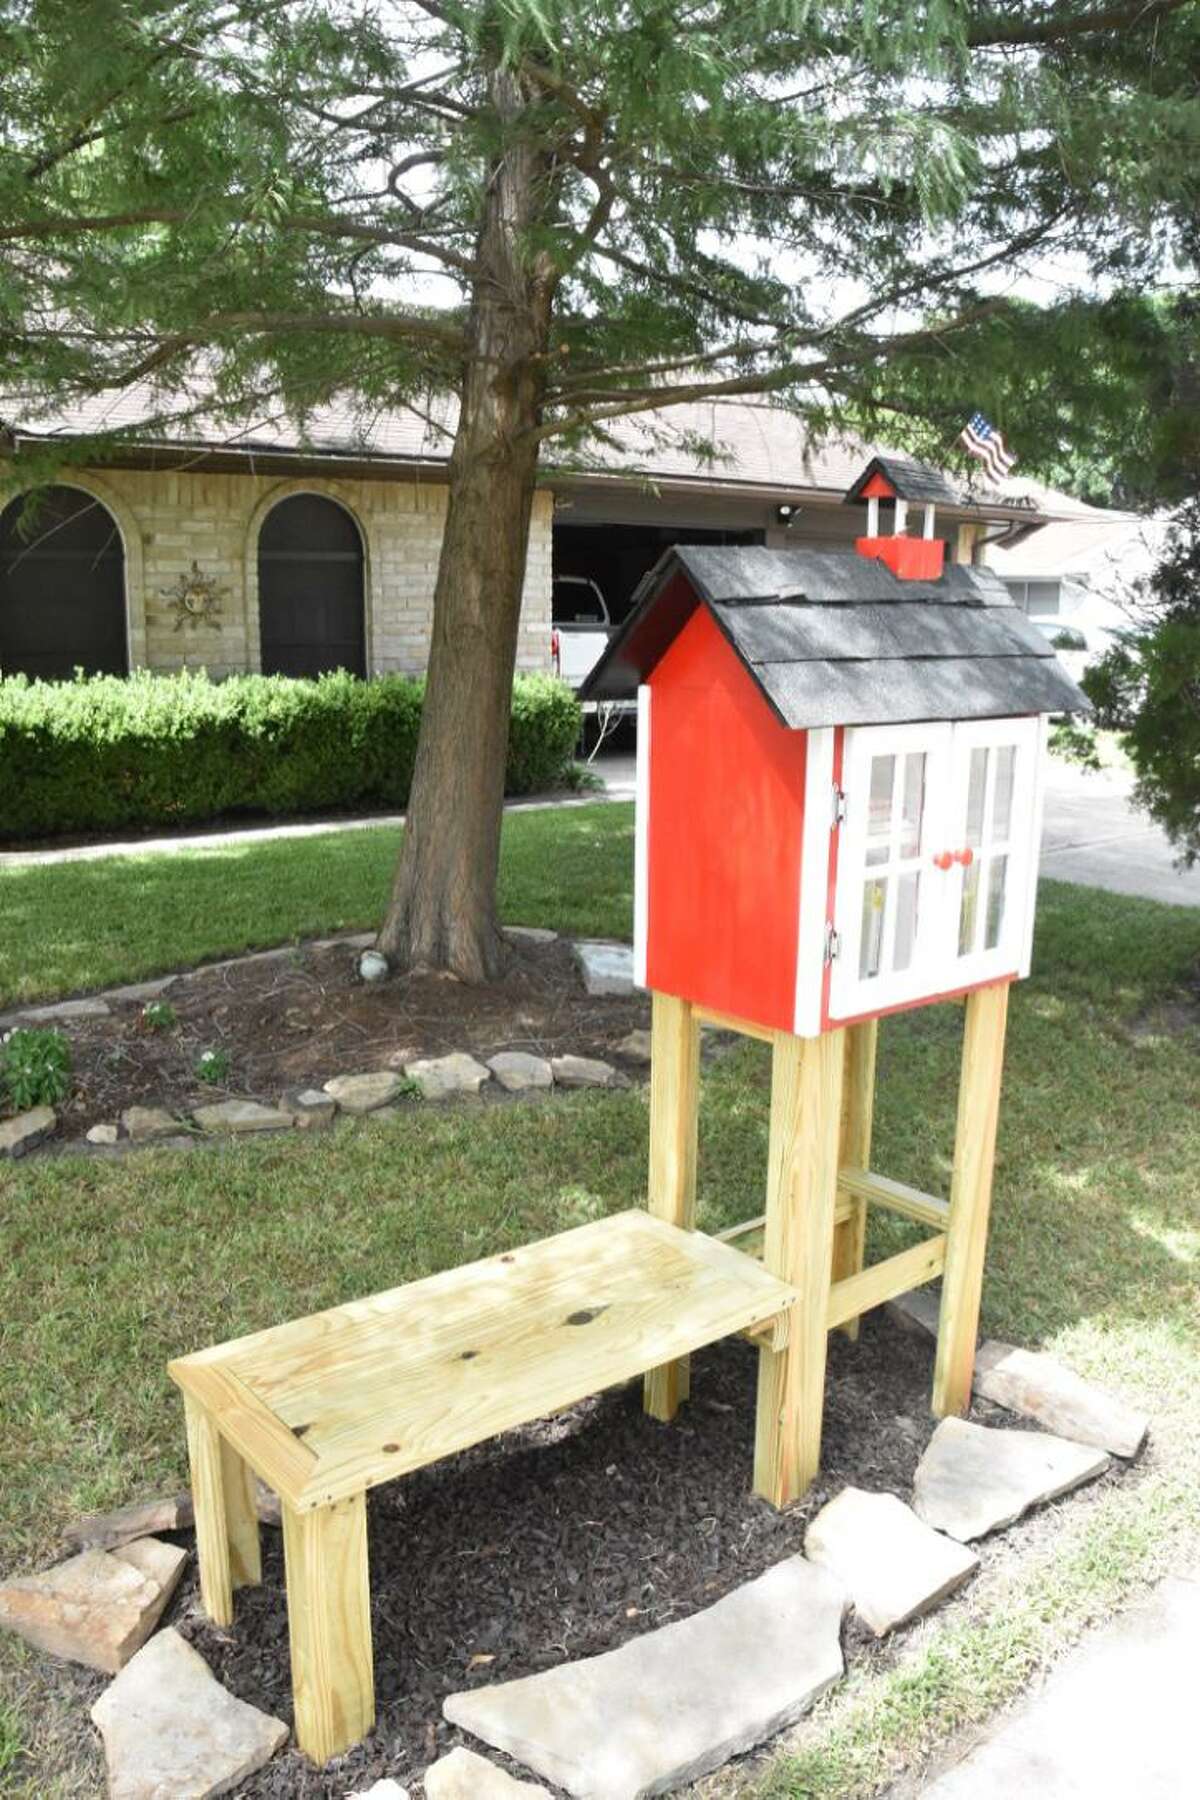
point(68, 927)
point(107, 1268)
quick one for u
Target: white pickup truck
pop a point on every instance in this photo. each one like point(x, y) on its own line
point(581, 627)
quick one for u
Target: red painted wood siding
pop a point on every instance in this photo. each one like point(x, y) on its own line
point(726, 808)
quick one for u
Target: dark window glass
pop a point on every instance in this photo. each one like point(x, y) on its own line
point(310, 589)
point(62, 587)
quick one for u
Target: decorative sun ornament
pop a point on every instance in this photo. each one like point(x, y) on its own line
point(195, 598)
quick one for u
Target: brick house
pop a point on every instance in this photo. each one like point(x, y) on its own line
point(295, 551)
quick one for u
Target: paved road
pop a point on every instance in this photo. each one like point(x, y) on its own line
point(1116, 1721)
point(1092, 834)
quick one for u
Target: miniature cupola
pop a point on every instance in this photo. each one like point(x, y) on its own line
point(903, 483)
point(840, 764)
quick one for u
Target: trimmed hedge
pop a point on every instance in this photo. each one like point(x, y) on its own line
point(105, 751)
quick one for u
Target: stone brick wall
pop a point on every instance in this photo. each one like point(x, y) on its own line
point(169, 520)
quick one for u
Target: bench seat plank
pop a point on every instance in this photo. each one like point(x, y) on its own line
point(346, 1399)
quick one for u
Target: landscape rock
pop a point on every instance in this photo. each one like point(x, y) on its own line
point(583, 1071)
point(444, 1077)
point(517, 1071)
point(893, 1567)
point(240, 1117)
point(99, 1607)
point(373, 966)
point(309, 1108)
point(972, 1479)
point(463, 1775)
point(108, 1531)
point(531, 934)
point(1038, 1387)
point(26, 1130)
point(387, 1789)
point(365, 1092)
point(65, 1010)
point(149, 1122)
point(670, 1705)
point(171, 1729)
point(636, 1047)
point(139, 992)
point(606, 968)
point(916, 1311)
point(103, 1134)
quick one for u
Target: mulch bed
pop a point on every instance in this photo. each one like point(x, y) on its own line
point(295, 1020)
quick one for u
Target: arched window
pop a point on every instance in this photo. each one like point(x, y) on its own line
point(62, 587)
point(310, 589)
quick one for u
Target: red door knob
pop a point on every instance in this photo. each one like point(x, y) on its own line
point(965, 857)
point(943, 860)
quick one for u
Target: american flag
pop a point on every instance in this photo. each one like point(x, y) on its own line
point(979, 438)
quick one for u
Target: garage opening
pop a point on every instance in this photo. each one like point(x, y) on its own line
point(310, 589)
point(610, 560)
point(62, 587)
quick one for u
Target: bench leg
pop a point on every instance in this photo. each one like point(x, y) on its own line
point(226, 1516)
point(329, 1624)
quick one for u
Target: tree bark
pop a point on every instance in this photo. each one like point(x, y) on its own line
point(442, 914)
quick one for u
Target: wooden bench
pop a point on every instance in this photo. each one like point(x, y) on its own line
point(326, 1407)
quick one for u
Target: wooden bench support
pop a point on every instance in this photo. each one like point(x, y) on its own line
point(858, 1112)
point(227, 1544)
point(882, 1281)
point(970, 1197)
point(806, 1082)
point(674, 1117)
point(329, 1625)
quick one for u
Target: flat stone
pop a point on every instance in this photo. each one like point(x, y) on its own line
point(365, 1092)
point(26, 1130)
point(531, 934)
point(141, 991)
point(241, 1116)
point(91, 1008)
point(668, 1707)
point(636, 1047)
point(309, 1108)
point(97, 1608)
point(103, 1134)
point(916, 1311)
point(171, 1729)
point(463, 1775)
point(972, 1480)
point(584, 1071)
point(387, 1789)
point(444, 1077)
point(108, 1531)
point(893, 1567)
point(517, 1071)
point(149, 1122)
point(606, 968)
point(1036, 1386)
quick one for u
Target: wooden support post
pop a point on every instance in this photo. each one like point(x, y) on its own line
point(858, 1111)
point(226, 1516)
point(674, 1117)
point(806, 1099)
point(970, 1197)
point(329, 1625)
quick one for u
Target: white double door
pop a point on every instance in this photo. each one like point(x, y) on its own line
point(936, 869)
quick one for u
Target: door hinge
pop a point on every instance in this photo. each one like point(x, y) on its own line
point(833, 944)
point(839, 804)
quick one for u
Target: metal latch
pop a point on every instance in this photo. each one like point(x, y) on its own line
point(839, 804)
point(833, 944)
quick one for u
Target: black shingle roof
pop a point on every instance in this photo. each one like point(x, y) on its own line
point(837, 639)
point(912, 480)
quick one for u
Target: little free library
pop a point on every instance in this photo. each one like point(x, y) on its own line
point(840, 767)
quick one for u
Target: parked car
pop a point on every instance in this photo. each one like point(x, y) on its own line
point(582, 627)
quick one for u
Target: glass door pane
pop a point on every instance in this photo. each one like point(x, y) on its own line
point(989, 827)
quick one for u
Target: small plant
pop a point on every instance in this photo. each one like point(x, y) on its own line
point(35, 1067)
point(159, 1015)
point(212, 1066)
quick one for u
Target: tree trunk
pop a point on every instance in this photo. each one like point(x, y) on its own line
point(442, 914)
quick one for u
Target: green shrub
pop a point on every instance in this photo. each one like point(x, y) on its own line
point(213, 1066)
point(35, 1067)
point(105, 751)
